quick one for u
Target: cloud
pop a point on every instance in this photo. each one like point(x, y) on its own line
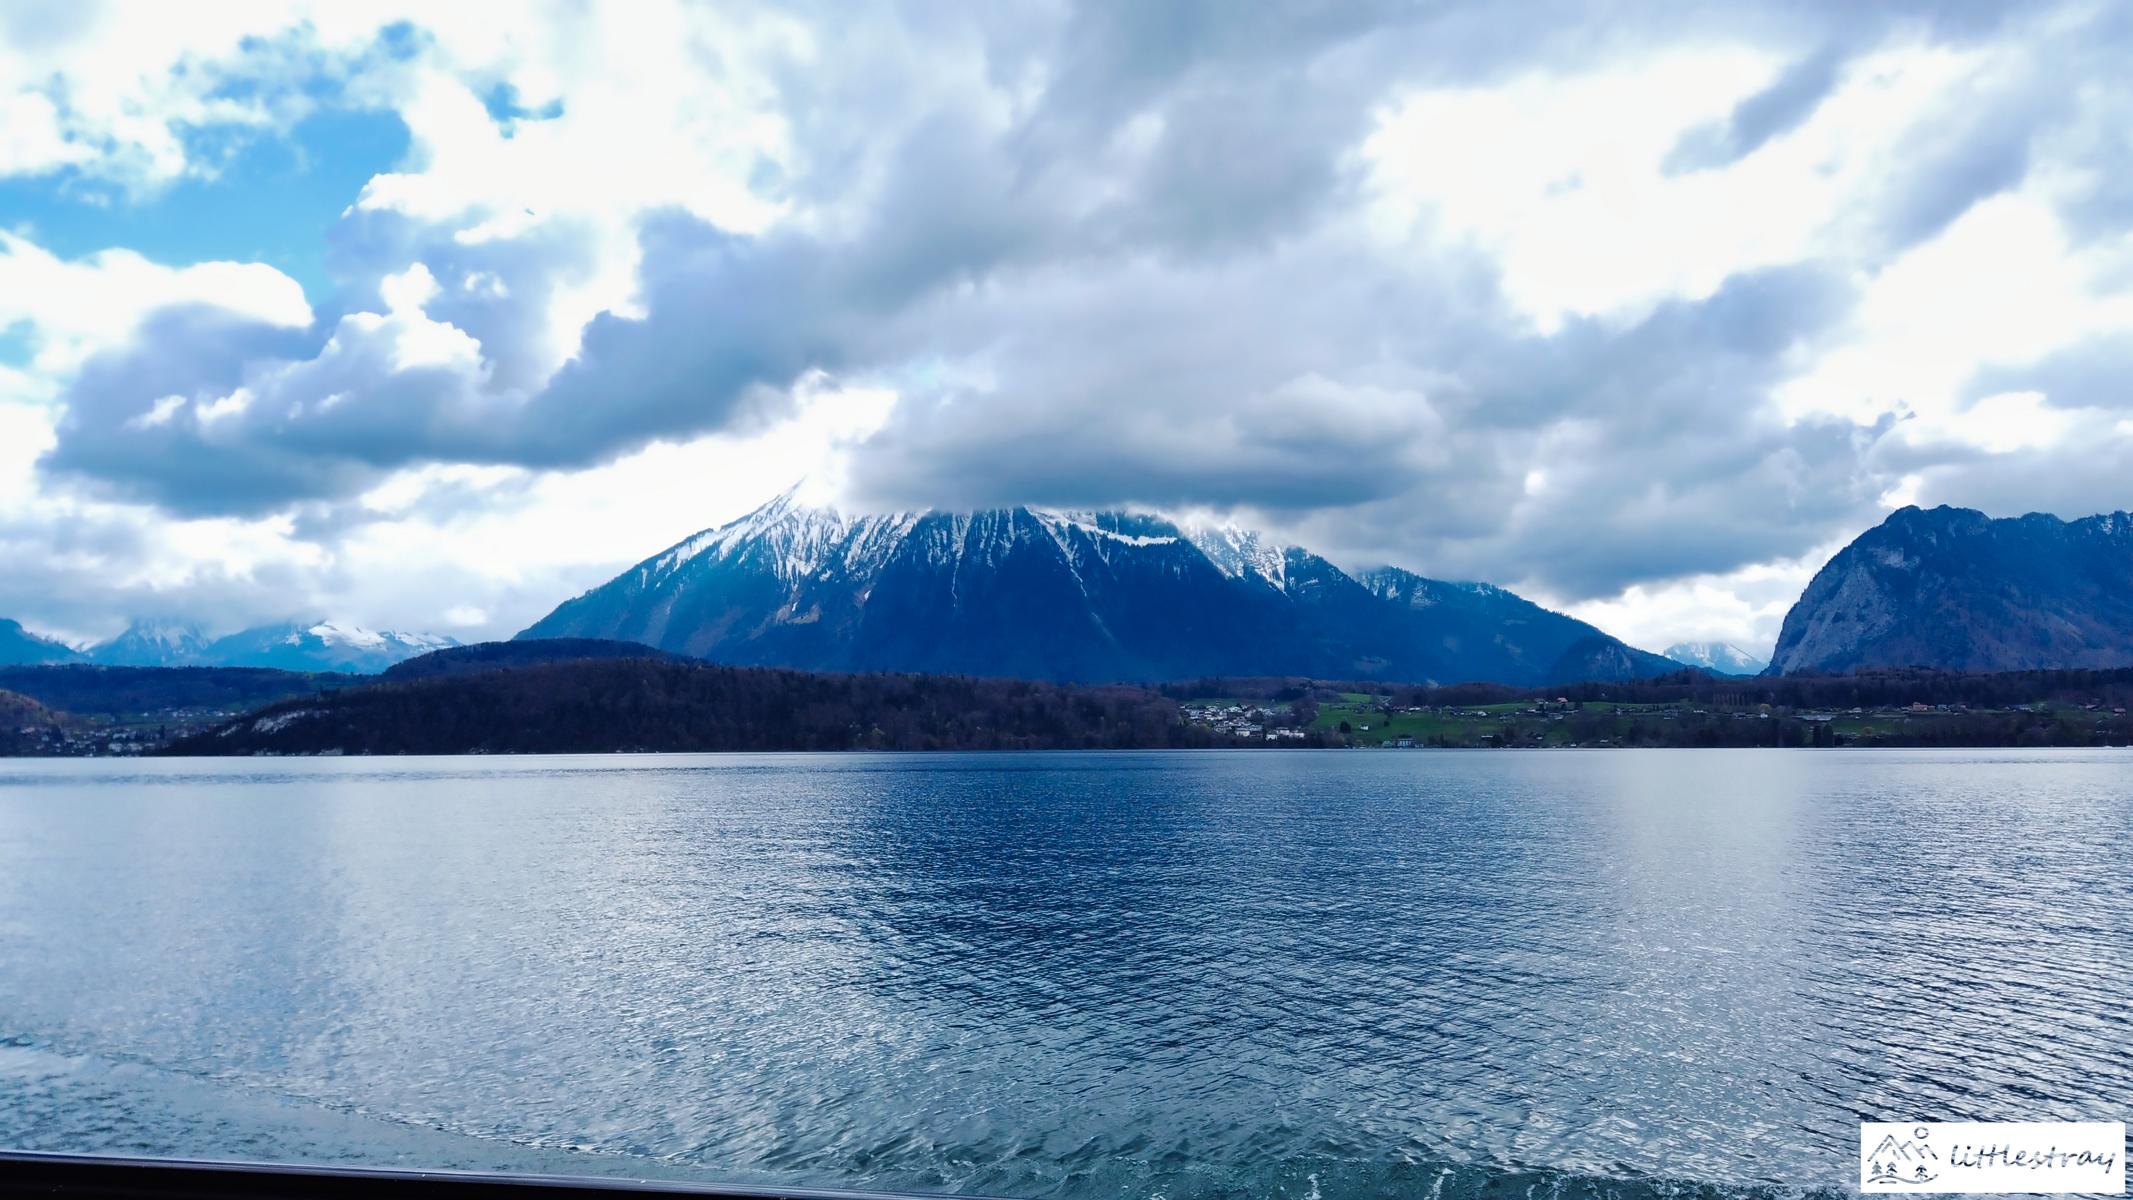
point(72, 308)
point(1599, 458)
point(1777, 109)
point(64, 549)
point(1661, 456)
point(2076, 466)
point(730, 326)
point(503, 540)
point(2091, 373)
point(1745, 608)
point(1959, 157)
point(1611, 305)
point(126, 94)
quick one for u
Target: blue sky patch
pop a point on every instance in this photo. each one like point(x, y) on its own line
point(272, 200)
point(15, 344)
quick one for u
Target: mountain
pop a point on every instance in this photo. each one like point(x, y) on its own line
point(1954, 589)
point(18, 646)
point(153, 643)
point(1599, 658)
point(288, 646)
point(320, 646)
point(1483, 632)
point(1037, 594)
point(1722, 658)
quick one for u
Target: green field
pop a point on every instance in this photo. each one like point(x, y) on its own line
point(1368, 724)
point(1684, 723)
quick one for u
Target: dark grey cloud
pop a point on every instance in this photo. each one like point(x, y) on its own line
point(1846, 32)
point(1650, 509)
point(2095, 372)
point(198, 354)
point(1960, 158)
point(1239, 162)
point(728, 319)
point(2081, 475)
point(1779, 108)
point(2094, 143)
point(1660, 454)
point(730, 323)
point(2078, 463)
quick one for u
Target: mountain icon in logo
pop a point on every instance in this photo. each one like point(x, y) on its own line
point(1903, 1160)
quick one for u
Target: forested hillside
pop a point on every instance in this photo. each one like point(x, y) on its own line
point(639, 704)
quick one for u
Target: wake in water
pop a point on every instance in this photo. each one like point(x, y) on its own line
point(62, 1103)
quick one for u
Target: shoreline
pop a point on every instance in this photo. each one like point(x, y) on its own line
point(1043, 750)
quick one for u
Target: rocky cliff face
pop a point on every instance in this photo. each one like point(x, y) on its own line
point(1037, 594)
point(1954, 589)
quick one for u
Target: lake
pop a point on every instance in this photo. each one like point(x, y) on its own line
point(1152, 974)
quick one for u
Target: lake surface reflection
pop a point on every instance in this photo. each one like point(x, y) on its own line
point(1159, 974)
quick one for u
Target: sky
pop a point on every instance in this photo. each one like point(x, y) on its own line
point(427, 317)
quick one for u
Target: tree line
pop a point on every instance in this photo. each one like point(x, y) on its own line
point(611, 705)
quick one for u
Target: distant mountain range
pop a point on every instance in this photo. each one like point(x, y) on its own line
point(1954, 589)
point(288, 646)
point(1719, 658)
point(1038, 594)
point(322, 646)
point(1131, 597)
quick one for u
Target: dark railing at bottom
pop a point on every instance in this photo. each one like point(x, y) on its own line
point(86, 1176)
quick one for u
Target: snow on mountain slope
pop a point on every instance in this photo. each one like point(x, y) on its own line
point(1240, 552)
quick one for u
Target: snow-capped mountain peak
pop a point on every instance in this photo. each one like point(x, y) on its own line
point(1051, 593)
point(795, 539)
point(154, 642)
point(164, 631)
point(320, 645)
point(302, 645)
point(1721, 657)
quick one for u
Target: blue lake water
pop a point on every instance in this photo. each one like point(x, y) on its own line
point(1149, 975)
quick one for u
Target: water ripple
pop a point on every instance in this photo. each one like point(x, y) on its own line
point(1177, 975)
